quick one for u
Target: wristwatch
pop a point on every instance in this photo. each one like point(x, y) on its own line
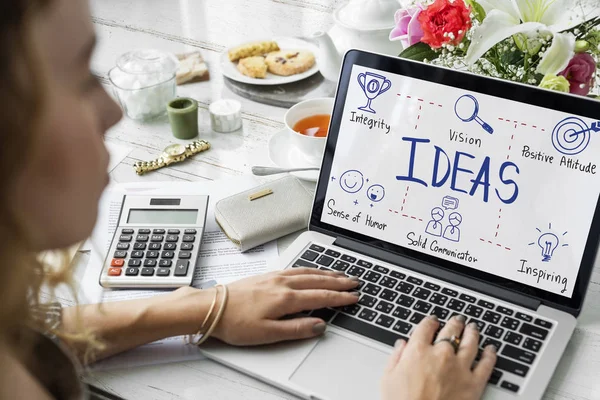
point(172, 154)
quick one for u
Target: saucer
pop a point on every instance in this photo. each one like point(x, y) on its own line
point(284, 154)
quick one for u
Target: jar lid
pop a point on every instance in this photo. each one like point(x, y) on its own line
point(148, 62)
point(368, 14)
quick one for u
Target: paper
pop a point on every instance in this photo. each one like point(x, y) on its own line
point(219, 262)
point(117, 154)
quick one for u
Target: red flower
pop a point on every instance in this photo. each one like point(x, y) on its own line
point(445, 22)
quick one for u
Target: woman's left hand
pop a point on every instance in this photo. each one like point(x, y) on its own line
point(256, 306)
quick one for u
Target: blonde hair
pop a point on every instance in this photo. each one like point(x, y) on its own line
point(23, 274)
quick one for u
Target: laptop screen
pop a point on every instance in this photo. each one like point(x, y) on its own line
point(496, 185)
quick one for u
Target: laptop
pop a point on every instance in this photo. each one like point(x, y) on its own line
point(445, 193)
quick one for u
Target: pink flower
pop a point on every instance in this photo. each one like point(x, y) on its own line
point(580, 73)
point(408, 29)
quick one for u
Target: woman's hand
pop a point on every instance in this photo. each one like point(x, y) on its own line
point(256, 305)
point(422, 371)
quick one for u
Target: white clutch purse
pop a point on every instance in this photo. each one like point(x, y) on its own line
point(265, 213)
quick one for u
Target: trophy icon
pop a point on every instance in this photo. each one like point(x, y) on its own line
point(372, 85)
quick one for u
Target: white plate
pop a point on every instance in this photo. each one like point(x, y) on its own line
point(284, 154)
point(229, 69)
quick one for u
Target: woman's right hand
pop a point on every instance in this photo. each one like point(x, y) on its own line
point(419, 370)
point(256, 306)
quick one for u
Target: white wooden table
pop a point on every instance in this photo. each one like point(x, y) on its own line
point(211, 26)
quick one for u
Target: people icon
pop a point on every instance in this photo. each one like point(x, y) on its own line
point(434, 227)
point(452, 231)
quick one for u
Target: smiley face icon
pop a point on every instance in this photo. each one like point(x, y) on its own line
point(352, 181)
point(376, 193)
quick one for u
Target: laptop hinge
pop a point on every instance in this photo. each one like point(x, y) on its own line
point(439, 273)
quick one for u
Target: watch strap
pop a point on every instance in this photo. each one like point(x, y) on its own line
point(141, 167)
point(198, 146)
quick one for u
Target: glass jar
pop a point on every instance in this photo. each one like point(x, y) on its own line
point(144, 82)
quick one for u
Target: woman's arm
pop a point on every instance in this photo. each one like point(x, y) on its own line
point(124, 325)
point(253, 313)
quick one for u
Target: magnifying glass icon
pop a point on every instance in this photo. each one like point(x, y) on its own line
point(467, 108)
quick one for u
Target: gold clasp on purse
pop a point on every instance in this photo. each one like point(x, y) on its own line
point(260, 194)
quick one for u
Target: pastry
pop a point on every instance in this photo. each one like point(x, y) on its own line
point(254, 67)
point(251, 50)
point(286, 63)
point(192, 68)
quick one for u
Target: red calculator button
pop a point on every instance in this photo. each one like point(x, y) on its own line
point(114, 271)
point(117, 262)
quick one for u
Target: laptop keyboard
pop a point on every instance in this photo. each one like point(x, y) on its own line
point(392, 303)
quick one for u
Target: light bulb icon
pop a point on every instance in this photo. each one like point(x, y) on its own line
point(548, 242)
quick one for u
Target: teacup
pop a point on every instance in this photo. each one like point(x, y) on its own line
point(311, 147)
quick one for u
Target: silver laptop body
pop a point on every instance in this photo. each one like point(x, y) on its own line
point(531, 322)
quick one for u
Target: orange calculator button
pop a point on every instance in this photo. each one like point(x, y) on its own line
point(114, 271)
point(117, 262)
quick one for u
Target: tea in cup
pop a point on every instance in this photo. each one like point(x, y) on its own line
point(308, 122)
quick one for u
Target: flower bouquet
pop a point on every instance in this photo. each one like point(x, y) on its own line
point(553, 44)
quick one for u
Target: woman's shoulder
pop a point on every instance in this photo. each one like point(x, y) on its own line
point(47, 370)
point(16, 381)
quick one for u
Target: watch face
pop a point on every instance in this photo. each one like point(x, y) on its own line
point(175, 150)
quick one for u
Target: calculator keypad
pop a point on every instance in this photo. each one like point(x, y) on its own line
point(156, 252)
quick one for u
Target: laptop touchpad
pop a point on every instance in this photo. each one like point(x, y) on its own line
point(340, 368)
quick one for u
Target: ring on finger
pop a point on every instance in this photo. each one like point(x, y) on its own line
point(453, 340)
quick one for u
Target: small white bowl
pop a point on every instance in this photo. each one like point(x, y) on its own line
point(312, 147)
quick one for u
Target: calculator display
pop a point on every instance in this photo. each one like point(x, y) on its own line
point(140, 216)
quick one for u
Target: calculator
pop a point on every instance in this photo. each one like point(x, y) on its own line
point(156, 242)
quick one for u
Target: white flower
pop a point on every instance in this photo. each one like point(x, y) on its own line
point(506, 18)
point(558, 55)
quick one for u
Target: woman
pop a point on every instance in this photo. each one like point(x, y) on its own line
point(53, 163)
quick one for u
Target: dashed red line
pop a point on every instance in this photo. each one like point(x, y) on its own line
point(420, 107)
point(510, 145)
point(510, 121)
point(404, 200)
point(497, 244)
point(498, 226)
point(419, 99)
point(418, 117)
point(406, 215)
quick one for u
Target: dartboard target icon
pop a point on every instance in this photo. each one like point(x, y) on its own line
point(572, 135)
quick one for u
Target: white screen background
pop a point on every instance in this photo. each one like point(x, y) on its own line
point(552, 198)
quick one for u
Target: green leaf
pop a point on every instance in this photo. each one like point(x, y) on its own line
point(476, 9)
point(419, 52)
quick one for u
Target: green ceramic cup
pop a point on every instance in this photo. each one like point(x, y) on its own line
point(183, 116)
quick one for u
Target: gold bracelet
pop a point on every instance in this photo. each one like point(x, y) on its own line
point(217, 318)
point(210, 311)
